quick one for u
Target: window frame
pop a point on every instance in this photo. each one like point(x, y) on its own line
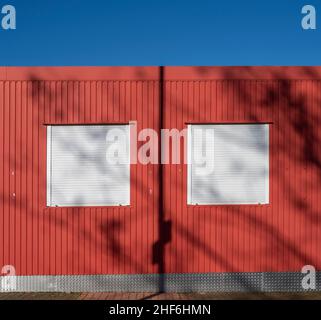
point(48, 161)
point(189, 163)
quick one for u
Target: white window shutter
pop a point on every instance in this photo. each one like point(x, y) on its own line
point(78, 173)
point(237, 159)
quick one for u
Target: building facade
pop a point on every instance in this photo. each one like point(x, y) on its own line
point(70, 223)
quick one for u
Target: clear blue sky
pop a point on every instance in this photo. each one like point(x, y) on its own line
point(160, 32)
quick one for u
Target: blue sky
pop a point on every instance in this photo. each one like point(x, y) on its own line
point(160, 32)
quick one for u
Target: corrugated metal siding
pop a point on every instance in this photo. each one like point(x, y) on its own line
point(40, 240)
point(283, 235)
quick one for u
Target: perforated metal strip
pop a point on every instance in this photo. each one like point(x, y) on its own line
point(200, 282)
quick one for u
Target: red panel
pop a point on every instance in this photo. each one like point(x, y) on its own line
point(283, 235)
point(280, 236)
point(78, 73)
point(40, 240)
point(242, 73)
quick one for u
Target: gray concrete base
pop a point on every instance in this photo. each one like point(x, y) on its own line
point(186, 282)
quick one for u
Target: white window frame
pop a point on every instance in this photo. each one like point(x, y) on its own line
point(190, 201)
point(49, 166)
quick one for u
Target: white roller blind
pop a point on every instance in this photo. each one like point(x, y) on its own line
point(228, 164)
point(79, 172)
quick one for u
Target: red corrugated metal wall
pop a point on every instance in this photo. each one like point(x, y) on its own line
point(281, 236)
point(40, 240)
